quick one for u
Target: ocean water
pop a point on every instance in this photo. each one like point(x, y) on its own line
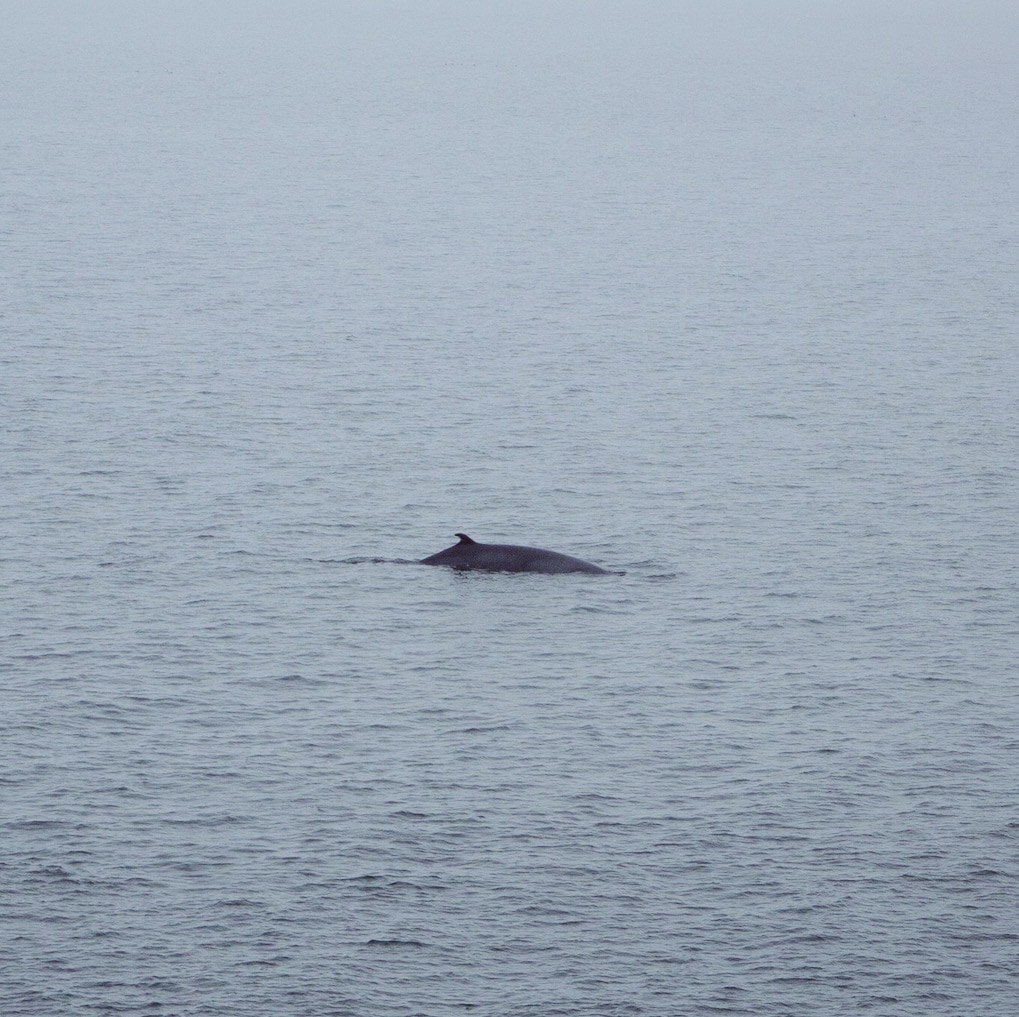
point(722, 297)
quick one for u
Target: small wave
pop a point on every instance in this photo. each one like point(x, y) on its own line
point(364, 560)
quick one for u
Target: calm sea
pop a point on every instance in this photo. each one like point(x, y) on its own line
point(723, 297)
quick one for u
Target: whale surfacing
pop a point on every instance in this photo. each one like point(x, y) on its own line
point(469, 555)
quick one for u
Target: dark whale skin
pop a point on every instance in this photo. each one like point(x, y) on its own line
point(468, 555)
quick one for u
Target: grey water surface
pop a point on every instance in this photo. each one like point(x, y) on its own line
point(723, 298)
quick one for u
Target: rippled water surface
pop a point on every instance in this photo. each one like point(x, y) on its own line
point(723, 301)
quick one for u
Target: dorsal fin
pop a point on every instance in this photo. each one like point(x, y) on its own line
point(464, 539)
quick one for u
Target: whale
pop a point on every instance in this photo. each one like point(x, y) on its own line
point(471, 556)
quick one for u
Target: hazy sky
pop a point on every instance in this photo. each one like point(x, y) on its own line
point(951, 31)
